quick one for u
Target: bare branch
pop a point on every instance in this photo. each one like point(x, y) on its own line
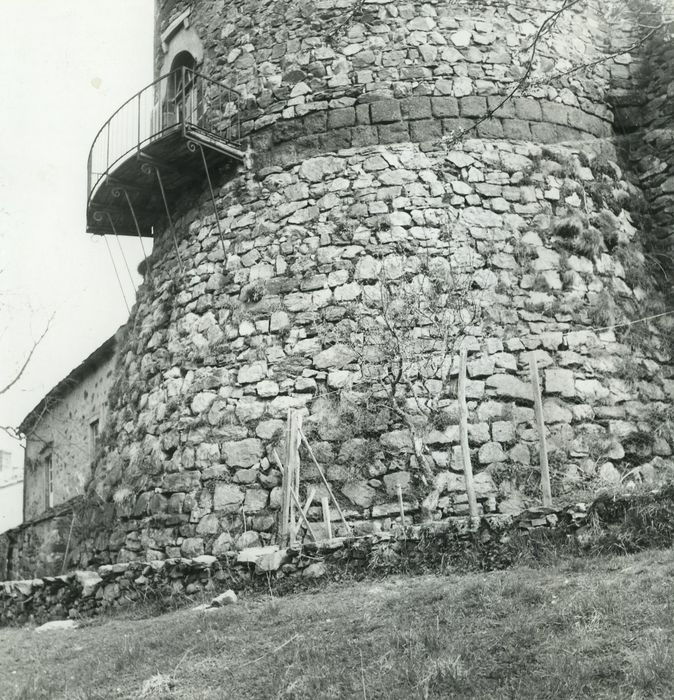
point(23, 367)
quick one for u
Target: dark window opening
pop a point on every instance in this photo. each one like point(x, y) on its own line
point(183, 100)
point(93, 439)
point(48, 481)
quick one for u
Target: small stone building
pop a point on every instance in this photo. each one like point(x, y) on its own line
point(62, 433)
point(62, 440)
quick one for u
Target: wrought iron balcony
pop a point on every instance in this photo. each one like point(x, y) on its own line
point(165, 138)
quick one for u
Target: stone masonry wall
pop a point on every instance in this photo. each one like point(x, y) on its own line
point(359, 170)
point(62, 430)
point(39, 547)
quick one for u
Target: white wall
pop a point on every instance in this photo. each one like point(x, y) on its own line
point(11, 486)
point(11, 506)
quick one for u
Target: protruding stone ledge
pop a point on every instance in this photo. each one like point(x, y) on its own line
point(419, 120)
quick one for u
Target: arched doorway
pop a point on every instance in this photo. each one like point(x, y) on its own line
point(182, 95)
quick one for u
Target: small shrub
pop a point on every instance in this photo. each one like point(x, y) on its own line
point(589, 243)
point(609, 226)
point(570, 227)
point(253, 293)
point(524, 254)
point(603, 312)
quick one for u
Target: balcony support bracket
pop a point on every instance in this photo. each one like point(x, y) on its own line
point(147, 167)
point(192, 146)
point(116, 192)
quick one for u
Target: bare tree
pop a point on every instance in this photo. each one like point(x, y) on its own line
point(406, 337)
point(8, 381)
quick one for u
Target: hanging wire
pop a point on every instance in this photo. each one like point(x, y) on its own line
point(170, 220)
point(140, 237)
point(215, 208)
point(121, 250)
point(119, 281)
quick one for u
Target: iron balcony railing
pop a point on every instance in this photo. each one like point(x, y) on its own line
point(180, 100)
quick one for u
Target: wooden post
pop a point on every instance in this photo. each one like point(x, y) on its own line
point(399, 489)
point(290, 476)
point(325, 481)
point(325, 504)
point(540, 421)
point(463, 430)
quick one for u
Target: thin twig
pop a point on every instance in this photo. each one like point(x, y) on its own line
point(362, 675)
point(264, 656)
point(28, 359)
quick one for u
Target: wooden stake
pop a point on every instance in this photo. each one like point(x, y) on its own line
point(463, 430)
point(290, 476)
point(325, 481)
point(400, 505)
point(540, 420)
point(325, 504)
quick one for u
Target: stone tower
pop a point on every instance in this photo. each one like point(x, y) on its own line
point(395, 152)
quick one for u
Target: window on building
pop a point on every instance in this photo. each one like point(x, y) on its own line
point(49, 481)
point(93, 438)
point(5, 460)
point(183, 100)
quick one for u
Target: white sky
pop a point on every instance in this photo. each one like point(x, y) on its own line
point(64, 68)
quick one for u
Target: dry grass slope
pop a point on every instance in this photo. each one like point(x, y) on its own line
point(600, 628)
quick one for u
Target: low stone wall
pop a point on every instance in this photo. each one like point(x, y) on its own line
point(39, 547)
point(613, 523)
point(644, 521)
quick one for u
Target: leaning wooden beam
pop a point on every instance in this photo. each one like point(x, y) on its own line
point(463, 430)
point(540, 422)
point(303, 517)
point(325, 505)
point(325, 481)
point(293, 463)
point(284, 524)
point(310, 499)
point(401, 507)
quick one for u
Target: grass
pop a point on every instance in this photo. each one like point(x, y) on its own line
point(593, 627)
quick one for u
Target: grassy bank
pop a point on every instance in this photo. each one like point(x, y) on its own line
point(600, 628)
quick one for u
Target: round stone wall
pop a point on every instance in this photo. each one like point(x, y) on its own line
point(361, 185)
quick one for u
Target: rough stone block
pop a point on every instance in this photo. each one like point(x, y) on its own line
point(560, 381)
point(425, 130)
point(242, 453)
point(509, 387)
point(473, 106)
point(503, 431)
point(335, 139)
point(445, 106)
point(491, 452)
point(359, 493)
point(416, 108)
point(516, 129)
point(555, 113)
point(255, 500)
point(480, 367)
point(337, 356)
point(391, 481)
point(192, 547)
point(394, 133)
point(527, 109)
point(453, 127)
point(226, 496)
point(338, 118)
point(545, 133)
point(363, 136)
point(507, 109)
point(490, 129)
point(385, 111)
